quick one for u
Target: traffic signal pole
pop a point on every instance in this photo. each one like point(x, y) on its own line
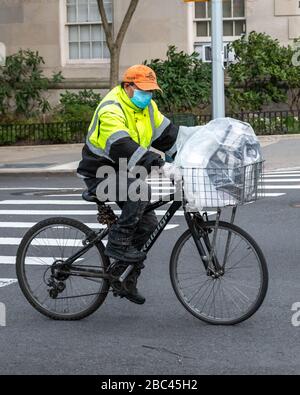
point(217, 59)
point(218, 80)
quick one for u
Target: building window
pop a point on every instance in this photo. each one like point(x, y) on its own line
point(234, 25)
point(86, 37)
point(234, 21)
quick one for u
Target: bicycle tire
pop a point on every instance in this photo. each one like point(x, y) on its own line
point(23, 282)
point(261, 259)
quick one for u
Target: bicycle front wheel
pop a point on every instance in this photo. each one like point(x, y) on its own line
point(226, 299)
point(60, 296)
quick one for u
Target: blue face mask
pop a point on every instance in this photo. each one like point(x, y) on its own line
point(141, 99)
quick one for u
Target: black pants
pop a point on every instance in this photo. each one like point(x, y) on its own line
point(134, 226)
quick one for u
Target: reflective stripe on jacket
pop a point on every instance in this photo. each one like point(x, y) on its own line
point(119, 129)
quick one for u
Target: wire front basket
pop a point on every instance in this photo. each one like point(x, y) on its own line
point(220, 187)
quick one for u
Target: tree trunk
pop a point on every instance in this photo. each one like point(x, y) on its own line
point(114, 45)
point(114, 66)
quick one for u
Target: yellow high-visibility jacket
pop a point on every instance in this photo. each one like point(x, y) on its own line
point(119, 129)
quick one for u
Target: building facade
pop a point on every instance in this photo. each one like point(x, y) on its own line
point(70, 37)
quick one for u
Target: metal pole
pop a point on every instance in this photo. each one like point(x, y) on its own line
point(218, 59)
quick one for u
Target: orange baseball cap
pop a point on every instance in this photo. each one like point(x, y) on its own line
point(142, 76)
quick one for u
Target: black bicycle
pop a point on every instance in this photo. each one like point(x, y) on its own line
point(217, 270)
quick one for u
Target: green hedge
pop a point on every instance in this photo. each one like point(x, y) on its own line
point(50, 133)
point(265, 123)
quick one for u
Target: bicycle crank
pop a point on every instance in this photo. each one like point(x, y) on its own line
point(125, 286)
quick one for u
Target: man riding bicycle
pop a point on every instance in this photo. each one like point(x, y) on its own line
point(125, 125)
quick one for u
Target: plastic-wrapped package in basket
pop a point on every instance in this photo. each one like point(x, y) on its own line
point(217, 162)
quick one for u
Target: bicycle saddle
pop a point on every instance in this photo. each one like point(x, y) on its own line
point(90, 197)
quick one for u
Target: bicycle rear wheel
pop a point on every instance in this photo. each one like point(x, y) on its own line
point(230, 298)
point(55, 240)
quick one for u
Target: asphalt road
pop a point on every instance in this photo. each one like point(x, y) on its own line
point(159, 337)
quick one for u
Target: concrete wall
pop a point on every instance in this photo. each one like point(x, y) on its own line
point(156, 24)
point(278, 18)
point(294, 27)
point(31, 24)
point(287, 7)
point(38, 24)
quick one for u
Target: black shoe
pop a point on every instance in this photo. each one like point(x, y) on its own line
point(124, 253)
point(139, 266)
point(132, 293)
point(135, 297)
point(129, 291)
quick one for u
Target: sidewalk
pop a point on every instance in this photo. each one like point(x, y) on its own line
point(40, 159)
point(64, 158)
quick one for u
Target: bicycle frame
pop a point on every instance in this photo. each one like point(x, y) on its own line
point(99, 236)
point(163, 222)
point(160, 227)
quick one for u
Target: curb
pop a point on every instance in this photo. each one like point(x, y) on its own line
point(277, 137)
point(67, 171)
point(32, 172)
point(281, 136)
point(43, 147)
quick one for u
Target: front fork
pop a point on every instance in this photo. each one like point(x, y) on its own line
point(199, 231)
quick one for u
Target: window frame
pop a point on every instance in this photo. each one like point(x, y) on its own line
point(208, 20)
point(64, 39)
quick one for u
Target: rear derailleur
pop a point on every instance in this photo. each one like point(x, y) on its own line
point(56, 282)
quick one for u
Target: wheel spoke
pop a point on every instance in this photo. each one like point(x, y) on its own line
point(231, 296)
point(55, 241)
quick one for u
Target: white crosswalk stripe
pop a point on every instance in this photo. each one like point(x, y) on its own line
point(27, 225)
point(283, 172)
point(276, 184)
point(7, 281)
point(62, 198)
point(270, 194)
point(290, 187)
point(269, 179)
point(32, 261)
point(46, 202)
point(70, 212)
point(40, 242)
